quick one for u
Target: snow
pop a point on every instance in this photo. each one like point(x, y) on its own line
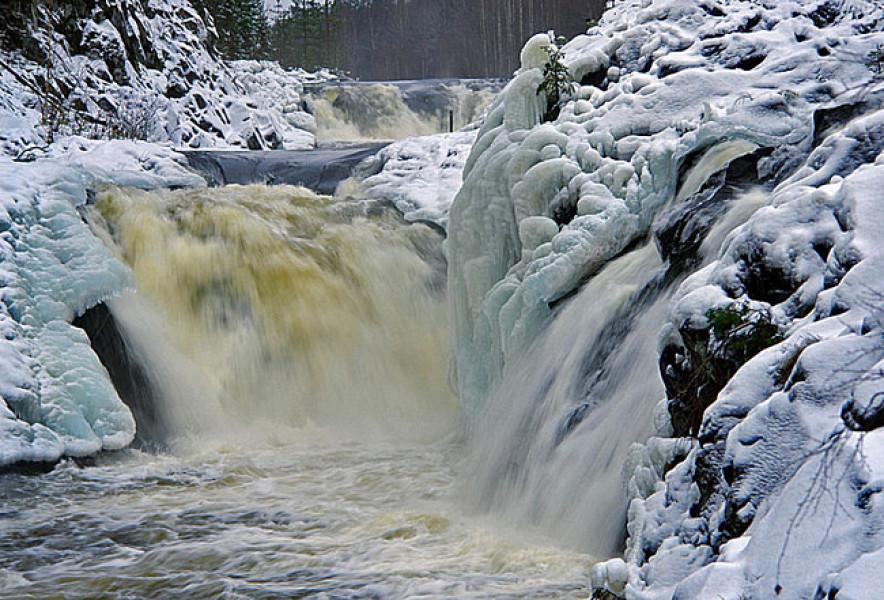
point(57, 397)
point(671, 94)
point(622, 144)
point(802, 480)
point(419, 175)
point(536, 51)
point(779, 493)
point(149, 71)
point(277, 90)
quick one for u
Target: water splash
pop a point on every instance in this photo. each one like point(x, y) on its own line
point(392, 111)
point(546, 455)
point(285, 307)
point(550, 448)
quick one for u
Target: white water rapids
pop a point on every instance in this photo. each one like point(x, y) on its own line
point(359, 111)
point(299, 348)
point(285, 513)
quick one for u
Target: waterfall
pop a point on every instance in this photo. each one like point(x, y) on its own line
point(545, 455)
point(260, 306)
point(550, 447)
point(351, 111)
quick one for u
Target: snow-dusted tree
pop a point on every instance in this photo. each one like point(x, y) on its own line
point(243, 30)
point(390, 39)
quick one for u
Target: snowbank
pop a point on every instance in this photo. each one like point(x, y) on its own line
point(786, 476)
point(776, 494)
point(273, 88)
point(57, 399)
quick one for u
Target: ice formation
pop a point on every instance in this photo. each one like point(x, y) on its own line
point(661, 83)
point(678, 103)
point(718, 160)
point(419, 175)
point(57, 398)
point(273, 88)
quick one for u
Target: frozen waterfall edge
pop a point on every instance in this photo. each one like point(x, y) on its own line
point(546, 205)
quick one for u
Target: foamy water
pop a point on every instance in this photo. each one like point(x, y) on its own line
point(298, 347)
point(298, 515)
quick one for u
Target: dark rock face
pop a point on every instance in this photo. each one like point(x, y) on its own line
point(696, 367)
point(680, 231)
point(131, 379)
point(865, 414)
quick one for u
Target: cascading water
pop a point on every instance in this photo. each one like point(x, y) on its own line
point(297, 345)
point(291, 307)
point(545, 455)
point(354, 111)
point(551, 444)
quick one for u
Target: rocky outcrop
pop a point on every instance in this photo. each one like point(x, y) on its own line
point(767, 447)
point(142, 69)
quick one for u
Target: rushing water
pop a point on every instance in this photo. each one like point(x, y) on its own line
point(556, 433)
point(358, 111)
point(291, 513)
point(295, 347)
point(298, 347)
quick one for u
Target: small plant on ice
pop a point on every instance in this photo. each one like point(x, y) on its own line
point(742, 331)
point(557, 84)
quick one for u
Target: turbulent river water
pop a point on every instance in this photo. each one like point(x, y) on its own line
point(291, 513)
point(285, 355)
point(309, 444)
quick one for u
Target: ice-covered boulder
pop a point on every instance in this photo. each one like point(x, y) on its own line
point(56, 398)
point(663, 87)
point(276, 90)
point(766, 477)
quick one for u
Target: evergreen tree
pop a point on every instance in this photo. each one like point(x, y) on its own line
point(308, 34)
point(243, 30)
point(557, 84)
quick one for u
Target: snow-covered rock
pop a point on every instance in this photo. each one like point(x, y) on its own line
point(273, 88)
point(774, 490)
point(420, 175)
point(780, 496)
point(143, 70)
point(56, 398)
point(691, 76)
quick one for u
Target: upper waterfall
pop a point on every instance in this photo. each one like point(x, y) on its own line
point(359, 111)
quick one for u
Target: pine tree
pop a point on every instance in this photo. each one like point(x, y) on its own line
point(557, 84)
point(243, 30)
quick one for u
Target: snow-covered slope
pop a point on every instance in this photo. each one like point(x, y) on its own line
point(782, 489)
point(678, 101)
point(276, 90)
point(57, 399)
point(420, 175)
point(143, 69)
point(662, 84)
